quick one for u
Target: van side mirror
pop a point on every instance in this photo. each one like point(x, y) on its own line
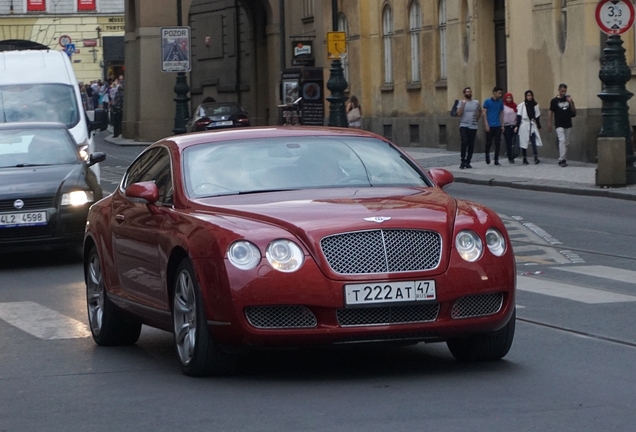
point(100, 121)
point(96, 157)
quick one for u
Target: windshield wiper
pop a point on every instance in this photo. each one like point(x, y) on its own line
point(24, 165)
point(264, 191)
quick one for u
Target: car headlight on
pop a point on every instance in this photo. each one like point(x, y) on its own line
point(469, 245)
point(77, 198)
point(284, 255)
point(83, 151)
point(244, 255)
point(495, 242)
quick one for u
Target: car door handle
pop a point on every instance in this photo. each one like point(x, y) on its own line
point(119, 218)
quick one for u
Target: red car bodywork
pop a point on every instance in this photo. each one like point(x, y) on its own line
point(140, 245)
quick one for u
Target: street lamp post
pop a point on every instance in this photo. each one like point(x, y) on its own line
point(337, 83)
point(181, 88)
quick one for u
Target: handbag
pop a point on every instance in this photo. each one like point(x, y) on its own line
point(515, 149)
point(453, 111)
point(354, 115)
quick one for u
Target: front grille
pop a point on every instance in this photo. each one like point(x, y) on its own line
point(280, 317)
point(382, 251)
point(477, 305)
point(387, 315)
point(410, 336)
point(29, 204)
point(25, 233)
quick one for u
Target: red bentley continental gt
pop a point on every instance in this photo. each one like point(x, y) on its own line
point(282, 236)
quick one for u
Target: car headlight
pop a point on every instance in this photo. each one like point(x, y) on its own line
point(77, 198)
point(469, 245)
point(495, 242)
point(244, 255)
point(284, 255)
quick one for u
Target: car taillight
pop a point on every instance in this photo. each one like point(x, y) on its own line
point(201, 124)
point(244, 121)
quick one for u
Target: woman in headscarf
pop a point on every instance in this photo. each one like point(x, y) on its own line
point(528, 126)
point(510, 121)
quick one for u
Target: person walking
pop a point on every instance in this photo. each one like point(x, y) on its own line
point(562, 109)
point(468, 111)
point(493, 120)
point(117, 111)
point(354, 113)
point(509, 121)
point(528, 126)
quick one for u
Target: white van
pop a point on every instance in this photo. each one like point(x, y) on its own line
point(40, 85)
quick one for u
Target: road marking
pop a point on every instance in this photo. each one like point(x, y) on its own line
point(42, 322)
point(570, 292)
point(612, 273)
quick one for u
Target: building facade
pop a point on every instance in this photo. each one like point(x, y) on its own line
point(406, 61)
point(94, 28)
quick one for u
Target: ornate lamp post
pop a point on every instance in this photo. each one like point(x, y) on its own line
point(337, 83)
point(181, 88)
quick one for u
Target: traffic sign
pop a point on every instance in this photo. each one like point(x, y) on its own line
point(65, 40)
point(175, 49)
point(615, 17)
point(70, 49)
point(336, 44)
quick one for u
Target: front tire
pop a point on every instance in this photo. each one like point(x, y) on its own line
point(109, 325)
point(484, 347)
point(198, 353)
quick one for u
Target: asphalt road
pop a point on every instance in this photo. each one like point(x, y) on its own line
point(570, 367)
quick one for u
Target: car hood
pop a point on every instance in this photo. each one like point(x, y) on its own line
point(313, 214)
point(39, 180)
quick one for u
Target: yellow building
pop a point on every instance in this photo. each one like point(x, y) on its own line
point(407, 60)
point(94, 28)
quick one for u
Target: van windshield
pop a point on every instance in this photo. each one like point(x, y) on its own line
point(39, 102)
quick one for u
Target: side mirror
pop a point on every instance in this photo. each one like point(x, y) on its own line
point(100, 121)
point(441, 177)
point(96, 157)
point(146, 191)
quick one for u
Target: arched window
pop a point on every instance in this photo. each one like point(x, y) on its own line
point(343, 26)
point(415, 25)
point(442, 40)
point(387, 35)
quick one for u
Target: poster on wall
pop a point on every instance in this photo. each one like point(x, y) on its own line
point(86, 5)
point(36, 5)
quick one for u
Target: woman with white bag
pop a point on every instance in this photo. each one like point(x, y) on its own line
point(354, 113)
point(528, 126)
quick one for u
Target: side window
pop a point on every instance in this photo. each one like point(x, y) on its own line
point(153, 165)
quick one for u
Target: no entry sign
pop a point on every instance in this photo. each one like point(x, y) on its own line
point(615, 17)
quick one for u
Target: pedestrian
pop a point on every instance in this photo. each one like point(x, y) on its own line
point(468, 111)
point(493, 119)
point(563, 110)
point(83, 95)
point(117, 111)
point(354, 113)
point(528, 126)
point(509, 121)
point(96, 85)
point(89, 94)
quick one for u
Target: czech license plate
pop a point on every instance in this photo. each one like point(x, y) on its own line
point(223, 123)
point(389, 292)
point(9, 220)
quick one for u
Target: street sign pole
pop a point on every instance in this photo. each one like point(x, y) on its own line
point(337, 83)
point(181, 89)
point(615, 17)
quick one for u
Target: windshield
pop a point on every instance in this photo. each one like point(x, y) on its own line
point(260, 165)
point(38, 102)
point(216, 109)
point(34, 147)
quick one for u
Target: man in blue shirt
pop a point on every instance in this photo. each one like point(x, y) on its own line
point(493, 109)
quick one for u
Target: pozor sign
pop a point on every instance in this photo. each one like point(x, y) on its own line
point(175, 49)
point(615, 17)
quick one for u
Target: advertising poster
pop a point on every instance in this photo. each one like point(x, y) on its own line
point(313, 97)
point(36, 5)
point(86, 5)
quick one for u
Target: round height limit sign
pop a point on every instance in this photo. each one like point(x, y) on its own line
point(615, 17)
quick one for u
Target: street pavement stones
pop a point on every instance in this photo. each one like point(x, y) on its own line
point(578, 178)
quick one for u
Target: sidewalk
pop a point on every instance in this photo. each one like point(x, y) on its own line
point(578, 178)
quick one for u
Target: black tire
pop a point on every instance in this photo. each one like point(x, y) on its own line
point(484, 347)
point(109, 325)
point(197, 352)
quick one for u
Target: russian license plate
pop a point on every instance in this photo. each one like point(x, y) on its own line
point(389, 292)
point(223, 123)
point(9, 220)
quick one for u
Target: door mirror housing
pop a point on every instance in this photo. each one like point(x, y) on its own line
point(441, 177)
point(146, 191)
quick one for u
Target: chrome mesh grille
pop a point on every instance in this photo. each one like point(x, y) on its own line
point(477, 305)
point(387, 315)
point(382, 251)
point(280, 317)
